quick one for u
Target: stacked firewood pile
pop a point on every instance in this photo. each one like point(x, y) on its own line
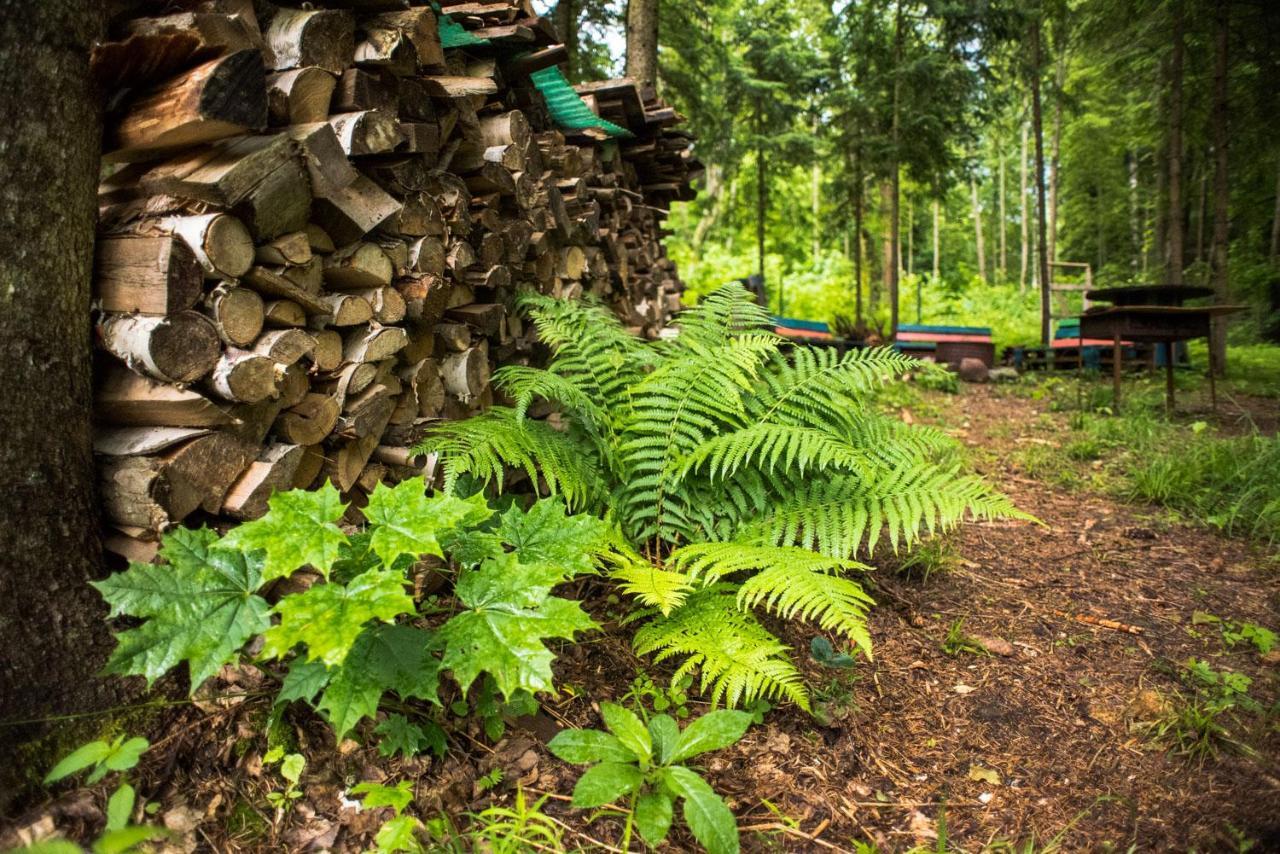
point(313, 222)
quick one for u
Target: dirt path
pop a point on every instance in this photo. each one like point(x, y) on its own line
point(1051, 718)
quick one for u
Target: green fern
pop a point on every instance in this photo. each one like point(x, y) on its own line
point(736, 658)
point(744, 476)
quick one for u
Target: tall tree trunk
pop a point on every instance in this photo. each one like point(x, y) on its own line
point(762, 190)
point(1004, 245)
point(1202, 209)
point(909, 255)
point(896, 168)
point(715, 192)
point(816, 188)
point(889, 257)
point(1055, 148)
point(1221, 190)
point(1275, 223)
point(977, 230)
point(1176, 215)
point(1135, 226)
point(1022, 274)
point(1042, 250)
point(566, 21)
point(642, 41)
point(859, 196)
point(937, 228)
point(53, 638)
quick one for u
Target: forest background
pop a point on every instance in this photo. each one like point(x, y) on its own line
point(817, 120)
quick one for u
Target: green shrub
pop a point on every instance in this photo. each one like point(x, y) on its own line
point(355, 634)
point(741, 476)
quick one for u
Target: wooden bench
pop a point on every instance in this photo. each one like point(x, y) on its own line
point(949, 344)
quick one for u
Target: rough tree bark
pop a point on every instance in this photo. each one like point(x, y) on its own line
point(642, 41)
point(895, 173)
point(1175, 218)
point(1022, 196)
point(1042, 249)
point(52, 635)
point(1221, 190)
point(1055, 150)
point(937, 228)
point(1004, 244)
point(566, 20)
point(977, 230)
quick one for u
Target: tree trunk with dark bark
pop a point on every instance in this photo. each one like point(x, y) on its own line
point(53, 637)
point(1042, 249)
point(1221, 189)
point(566, 20)
point(1176, 217)
point(642, 41)
point(895, 175)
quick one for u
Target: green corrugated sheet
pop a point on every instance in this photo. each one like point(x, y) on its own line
point(567, 108)
point(453, 34)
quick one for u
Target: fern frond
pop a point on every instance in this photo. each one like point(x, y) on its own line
point(839, 514)
point(770, 446)
point(737, 659)
point(487, 443)
point(673, 410)
point(719, 317)
point(790, 582)
point(590, 344)
point(522, 384)
point(816, 387)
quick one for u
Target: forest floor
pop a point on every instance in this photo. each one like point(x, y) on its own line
point(1088, 621)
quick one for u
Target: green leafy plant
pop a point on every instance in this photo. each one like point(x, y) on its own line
point(400, 832)
point(101, 758)
point(1196, 725)
point(515, 829)
point(357, 634)
point(957, 641)
point(291, 766)
point(645, 695)
point(743, 477)
point(647, 766)
point(1234, 632)
point(821, 651)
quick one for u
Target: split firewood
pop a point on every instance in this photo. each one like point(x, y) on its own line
point(284, 312)
point(222, 98)
point(284, 346)
point(180, 348)
point(361, 265)
point(351, 212)
point(273, 471)
point(126, 398)
point(309, 422)
point(159, 490)
point(323, 38)
point(149, 275)
point(237, 313)
point(222, 245)
point(348, 309)
point(300, 96)
point(327, 355)
point(243, 377)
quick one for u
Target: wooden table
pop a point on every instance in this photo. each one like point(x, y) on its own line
point(1153, 323)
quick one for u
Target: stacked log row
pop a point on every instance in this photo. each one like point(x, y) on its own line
point(313, 223)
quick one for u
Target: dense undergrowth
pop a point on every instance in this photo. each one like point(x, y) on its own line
point(715, 478)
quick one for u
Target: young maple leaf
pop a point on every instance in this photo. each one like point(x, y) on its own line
point(384, 658)
point(510, 614)
point(200, 607)
point(299, 530)
point(405, 520)
point(327, 618)
point(545, 534)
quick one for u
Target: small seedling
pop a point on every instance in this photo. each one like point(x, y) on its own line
point(821, 651)
point(515, 829)
point(645, 694)
point(398, 833)
point(957, 641)
point(646, 765)
point(291, 766)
